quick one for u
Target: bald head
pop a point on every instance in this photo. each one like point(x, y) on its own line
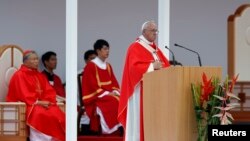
point(146, 24)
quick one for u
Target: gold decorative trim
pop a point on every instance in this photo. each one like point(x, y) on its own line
point(98, 79)
point(92, 94)
point(116, 97)
point(115, 88)
point(109, 69)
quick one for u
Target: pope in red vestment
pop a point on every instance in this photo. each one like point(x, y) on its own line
point(28, 85)
point(101, 91)
point(142, 56)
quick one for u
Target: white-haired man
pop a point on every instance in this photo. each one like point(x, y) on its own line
point(142, 56)
point(44, 118)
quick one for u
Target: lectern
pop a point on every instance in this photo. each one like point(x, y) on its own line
point(168, 103)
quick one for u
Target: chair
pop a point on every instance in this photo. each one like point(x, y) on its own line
point(84, 130)
point(239, 43)
point(238, 49)
point(83, 126)
point(12, 114)
point(81, 106)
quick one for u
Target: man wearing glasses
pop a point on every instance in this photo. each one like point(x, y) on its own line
point(142, 56)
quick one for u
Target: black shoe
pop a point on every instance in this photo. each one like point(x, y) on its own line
point(121, 131)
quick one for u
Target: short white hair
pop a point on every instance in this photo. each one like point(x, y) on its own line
point(146, 24)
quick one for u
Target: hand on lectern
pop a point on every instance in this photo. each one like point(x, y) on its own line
point(157, 65)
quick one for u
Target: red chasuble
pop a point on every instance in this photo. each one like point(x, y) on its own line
point(95, 82)
point(137, 62)
point(28, 85)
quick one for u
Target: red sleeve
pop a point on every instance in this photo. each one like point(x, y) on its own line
point(115, 84)
point(49, 93)
point(90, 88)
point(137, 62)
point(163, 59)
point(58, 86)
point(29, 87)
point(19, 90)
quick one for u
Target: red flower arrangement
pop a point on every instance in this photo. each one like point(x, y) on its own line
point(212, 103)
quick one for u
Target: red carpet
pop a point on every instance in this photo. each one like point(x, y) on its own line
point(99, 138)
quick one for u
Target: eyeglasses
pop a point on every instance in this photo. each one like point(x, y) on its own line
point(154, 31)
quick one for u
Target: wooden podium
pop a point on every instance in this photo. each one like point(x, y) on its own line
point(168, 105)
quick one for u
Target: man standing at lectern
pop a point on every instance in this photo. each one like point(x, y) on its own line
point(142, 56)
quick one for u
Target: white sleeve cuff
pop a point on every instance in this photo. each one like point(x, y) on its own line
point(151, 67)
point(117, 92)
point(36, 102)
point(103, 94)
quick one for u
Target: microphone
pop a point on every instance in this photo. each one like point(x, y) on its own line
point(174, 62)
point(199, 58)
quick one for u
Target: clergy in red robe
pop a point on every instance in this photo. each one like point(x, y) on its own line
point(43, 116)
point(50, 62)
point(142, 56)
point(101, 91)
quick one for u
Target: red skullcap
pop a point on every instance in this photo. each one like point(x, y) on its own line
point(27, 53)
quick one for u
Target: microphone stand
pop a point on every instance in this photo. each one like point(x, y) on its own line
point(199, 58)
point(174, 62)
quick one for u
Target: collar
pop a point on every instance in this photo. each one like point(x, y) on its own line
point(49, 75)
point(100, 63)
point(145, 40)
point(46, 70)
point(26, 68)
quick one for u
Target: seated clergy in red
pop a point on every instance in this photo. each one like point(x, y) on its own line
point(101, 91)
point(50, 62)
point(43, 116)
